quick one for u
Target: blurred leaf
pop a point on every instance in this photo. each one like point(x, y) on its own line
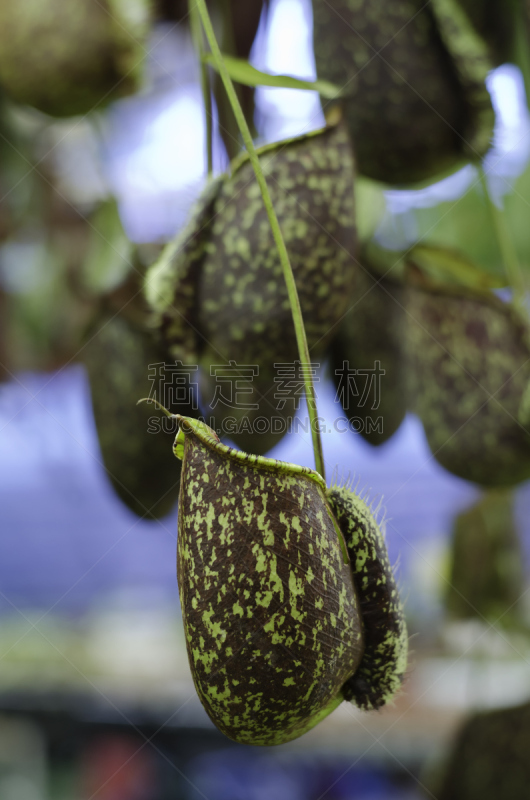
point(489, 757)
point(487, 576)
point(66, 59)
point(465, 225)
point(41, 308)
point(242, 72)
point(448, 266)
point(109, 257)
point(517, 210)
point(370, 206)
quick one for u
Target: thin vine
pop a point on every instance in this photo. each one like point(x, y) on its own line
point(198, 40)
point(292, 292)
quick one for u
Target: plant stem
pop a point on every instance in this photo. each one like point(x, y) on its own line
point(505, 244)
point(292, 292)
point(228, 127)
point(198, 40)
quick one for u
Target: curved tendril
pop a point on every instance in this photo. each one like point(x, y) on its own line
point(159, 406)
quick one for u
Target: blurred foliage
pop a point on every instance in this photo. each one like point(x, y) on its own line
point(82, 54)
point(489, 759)
point(464, 224)
point(372, 332)
point(487, 576)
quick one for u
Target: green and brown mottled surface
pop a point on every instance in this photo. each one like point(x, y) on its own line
point(270, 611)
point(414, 72)
point(373, 330)
point(66, 58)
point(487, 576)
point(382, 668)
point(242, 295)
point(223, 274)
point(218, 292)
point(489, 759)
point(469, 363)
point(140, 465)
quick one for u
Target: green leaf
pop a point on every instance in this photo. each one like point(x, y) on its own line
point(109, 256)
point(370, 207)
point(450, 266)
point(464, 224)
point(486, 534)
point(243, 72)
